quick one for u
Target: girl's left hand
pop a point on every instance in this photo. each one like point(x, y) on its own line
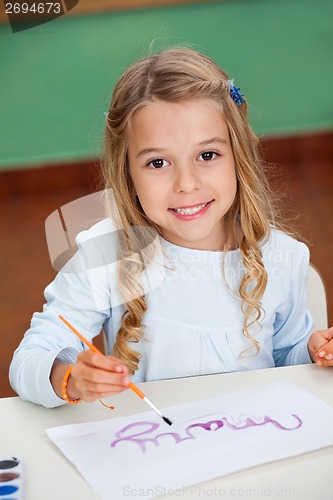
point(320, 346)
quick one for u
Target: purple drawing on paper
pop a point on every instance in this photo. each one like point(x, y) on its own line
point(144, 432)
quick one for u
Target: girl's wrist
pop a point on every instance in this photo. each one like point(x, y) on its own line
point(66, 394)
point(57, 376)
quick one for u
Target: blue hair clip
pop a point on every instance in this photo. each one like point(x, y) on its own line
point(234, 93)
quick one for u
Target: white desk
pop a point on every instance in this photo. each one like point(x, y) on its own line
point(50, 476)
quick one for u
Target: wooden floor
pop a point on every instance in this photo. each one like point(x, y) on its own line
point(27, 199)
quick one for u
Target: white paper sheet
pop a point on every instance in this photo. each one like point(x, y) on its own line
point(208, 439)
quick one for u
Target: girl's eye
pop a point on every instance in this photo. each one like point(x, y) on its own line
point(208, 155)
point(157, 163)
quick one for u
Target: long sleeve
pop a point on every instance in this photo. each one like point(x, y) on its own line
point(72, 295)
point(294, 324)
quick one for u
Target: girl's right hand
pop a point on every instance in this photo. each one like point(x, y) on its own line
point(94, 376)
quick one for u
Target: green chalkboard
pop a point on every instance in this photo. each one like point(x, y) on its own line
point(56, 79)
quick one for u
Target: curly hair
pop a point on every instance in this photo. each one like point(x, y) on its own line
point(172, 75)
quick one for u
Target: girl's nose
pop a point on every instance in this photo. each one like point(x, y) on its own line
point(186, 180)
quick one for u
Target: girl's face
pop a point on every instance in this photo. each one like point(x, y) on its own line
point(183, 170)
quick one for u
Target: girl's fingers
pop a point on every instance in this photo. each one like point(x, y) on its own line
point(321, 347)
point(95, 376)
point(84, 386)
point(327, 335)
point(326, 350)
point(108, 363)
point(324, 362)
point(325, 355)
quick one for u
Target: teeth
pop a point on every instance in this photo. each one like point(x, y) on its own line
point(189, 211)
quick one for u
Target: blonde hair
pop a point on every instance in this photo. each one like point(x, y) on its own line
point(176, 74)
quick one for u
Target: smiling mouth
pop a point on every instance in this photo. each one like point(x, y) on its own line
point(190, 211)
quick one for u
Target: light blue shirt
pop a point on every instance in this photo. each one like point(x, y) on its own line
point(193, 325)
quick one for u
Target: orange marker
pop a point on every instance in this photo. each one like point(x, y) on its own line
point(131, 385)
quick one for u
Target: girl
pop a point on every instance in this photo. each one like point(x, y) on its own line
point(181, 160)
